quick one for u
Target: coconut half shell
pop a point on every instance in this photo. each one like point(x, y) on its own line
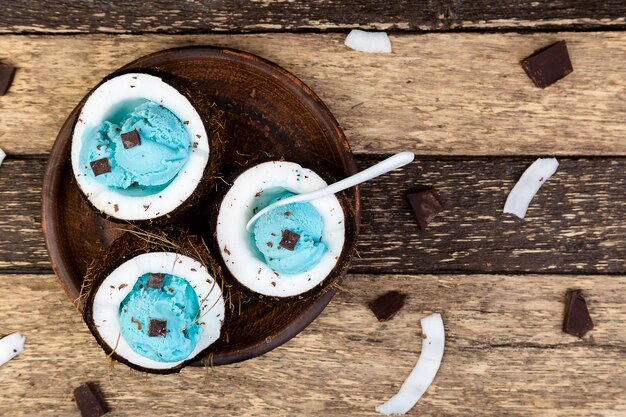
point(110, 279)
point(252, 189)
point(202, 120)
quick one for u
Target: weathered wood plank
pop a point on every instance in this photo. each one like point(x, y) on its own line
point(274, 15)
point(462, 94)
point(505, 355)
point(574, 225)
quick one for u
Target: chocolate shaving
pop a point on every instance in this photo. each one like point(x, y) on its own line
point(577, 319)
point(100, 166)
point(139, 326)
point(289, 240)
point(386, 306)
point(156, 280)
point(6, 77)
point(426, 205)
point(89, 401)
point(131, 139)
point(548, 65)
point(158, 328)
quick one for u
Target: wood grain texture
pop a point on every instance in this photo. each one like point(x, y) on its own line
point(459, 94)
point(85, 16)
point(574, 225)
point(505, 355)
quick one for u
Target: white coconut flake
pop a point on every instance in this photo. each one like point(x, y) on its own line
point(2, 156)
point(11, 346)
point(532, 179)
point(372, 42)
point(425, 370)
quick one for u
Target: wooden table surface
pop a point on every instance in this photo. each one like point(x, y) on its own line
point(454, 93)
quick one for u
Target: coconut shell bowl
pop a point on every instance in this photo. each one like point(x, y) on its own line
point(267, 114)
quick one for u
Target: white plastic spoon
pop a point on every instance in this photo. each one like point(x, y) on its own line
point(389, 164)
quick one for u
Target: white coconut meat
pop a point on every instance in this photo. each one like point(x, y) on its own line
point(2, 156)
point(255, 188)
point(105, 101)
point(532, 179)
point(372, 42)
point(11, 346)
point(114, 289)
point(424, 371)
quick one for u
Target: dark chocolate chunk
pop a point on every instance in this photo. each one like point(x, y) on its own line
point(131, 139)
point(289, 240)
point(577, 319)
point(158, 328)
point(89, 401)
point(6, 77)
point(156, 280)
point(548, 65)
point(426, 205)
point(100, 166)
point(386, 306)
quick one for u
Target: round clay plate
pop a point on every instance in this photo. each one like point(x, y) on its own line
point(269, 114)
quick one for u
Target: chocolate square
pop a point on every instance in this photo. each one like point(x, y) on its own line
point(387, 305)
point(100, 166)
point(158, 328)
point(577, 319)
point(89, 401)
point(6, 77)
point(156, 280)
point(548, 65)
point(426, 205)
point(289, 240)
point(131, 139)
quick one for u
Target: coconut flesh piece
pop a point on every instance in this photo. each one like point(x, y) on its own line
point(532, 179)
point(424, 371)
point(254, 188)
point(117, 285)
point(11, 346)
point(2, 156)
point(372, 42)
point(134, 204)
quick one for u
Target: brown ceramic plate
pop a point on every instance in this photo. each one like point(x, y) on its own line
point(269, 114)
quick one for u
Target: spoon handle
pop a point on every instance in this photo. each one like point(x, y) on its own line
point(389, 164)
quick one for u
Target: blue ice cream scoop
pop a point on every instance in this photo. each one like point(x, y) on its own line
point(161, 323)
point(163, 148)
point(274, 234)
